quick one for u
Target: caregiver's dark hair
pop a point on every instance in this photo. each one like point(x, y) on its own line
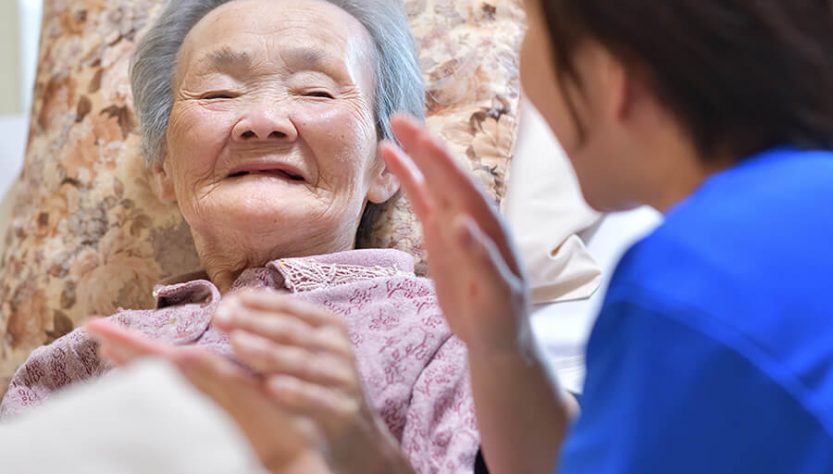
point(741, 76)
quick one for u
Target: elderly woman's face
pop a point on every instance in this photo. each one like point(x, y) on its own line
point(272, 137)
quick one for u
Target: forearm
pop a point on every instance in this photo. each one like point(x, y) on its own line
point(391, 460)
point(380, 461)
point(366, 457)
point(522, 413)
point(371, 449)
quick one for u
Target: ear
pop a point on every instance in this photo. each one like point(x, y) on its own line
point(625, 86)
point(162, 181)
point(383, 184)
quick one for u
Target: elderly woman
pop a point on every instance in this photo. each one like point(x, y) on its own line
point(261, 120)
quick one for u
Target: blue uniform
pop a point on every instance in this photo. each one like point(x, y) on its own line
point(713, 352)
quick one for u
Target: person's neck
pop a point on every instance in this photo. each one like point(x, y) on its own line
point(678, 170)
point(224, 269)
point(224, 260)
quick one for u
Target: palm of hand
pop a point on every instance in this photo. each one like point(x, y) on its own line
point(277, 436)
point(479, 281)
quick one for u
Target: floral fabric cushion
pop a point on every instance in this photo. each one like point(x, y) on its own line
point(88, 236)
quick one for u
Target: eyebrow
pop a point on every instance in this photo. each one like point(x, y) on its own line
point(229, 58)
point(296, 59)
point(304, 56)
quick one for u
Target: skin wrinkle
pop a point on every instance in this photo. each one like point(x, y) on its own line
point(289, 29)
point(276, 82)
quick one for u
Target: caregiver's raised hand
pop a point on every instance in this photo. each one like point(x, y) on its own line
point(480, 284)
point(521, 412)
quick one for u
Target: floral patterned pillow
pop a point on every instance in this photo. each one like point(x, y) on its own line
point(87, 235)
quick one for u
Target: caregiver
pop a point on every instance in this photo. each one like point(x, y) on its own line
point(713, 352)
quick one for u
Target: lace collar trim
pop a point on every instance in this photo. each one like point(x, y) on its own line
point(294, 274)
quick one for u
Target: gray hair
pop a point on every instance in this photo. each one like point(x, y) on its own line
point(399, 84)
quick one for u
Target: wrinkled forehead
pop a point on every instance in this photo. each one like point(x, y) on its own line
point(312, 33)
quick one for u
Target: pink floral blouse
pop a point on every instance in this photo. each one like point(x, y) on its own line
point(413, 368)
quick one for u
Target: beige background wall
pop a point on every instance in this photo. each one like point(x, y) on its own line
point(10, 100)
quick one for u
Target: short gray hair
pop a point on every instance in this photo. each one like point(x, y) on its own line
point(399, 84)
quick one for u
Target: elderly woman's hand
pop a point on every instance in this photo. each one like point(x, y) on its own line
point(287, 412)
point(282, 441)
point(480, 284)
point(304, 354)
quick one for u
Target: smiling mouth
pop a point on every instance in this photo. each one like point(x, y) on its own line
point(276, 173)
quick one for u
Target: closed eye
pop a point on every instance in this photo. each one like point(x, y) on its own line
point(319, 94)
point(217, 96)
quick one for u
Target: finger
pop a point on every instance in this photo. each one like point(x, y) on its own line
point(266, 357)
point(118, 357)
point(228, 384)
point(445, 175)
point(402, 165)
point(271, 301)
point(304, 325)
point(411, 179)
point(274, 435)
point(121, 354)
point(321, 404)
point(287, 330)
point(209, 365)
point(128, 341)
point(278, 327)
point(450, 183)
point(212, 374)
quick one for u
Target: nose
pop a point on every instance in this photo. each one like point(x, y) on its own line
point(262, 123)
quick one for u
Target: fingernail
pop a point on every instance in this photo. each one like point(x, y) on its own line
point(222, 316)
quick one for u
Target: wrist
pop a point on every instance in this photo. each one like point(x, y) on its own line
point(369, 448)
point(519, 348)
point(505, 331)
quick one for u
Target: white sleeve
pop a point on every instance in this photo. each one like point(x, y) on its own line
point(140, 420)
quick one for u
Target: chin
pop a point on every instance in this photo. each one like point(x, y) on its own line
point(262, 199)
point(604, 201)
point(262, 214)
point(247, 210)
point(601, 190)
point(597, 204)
point(278, 216)
point(600, 196)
